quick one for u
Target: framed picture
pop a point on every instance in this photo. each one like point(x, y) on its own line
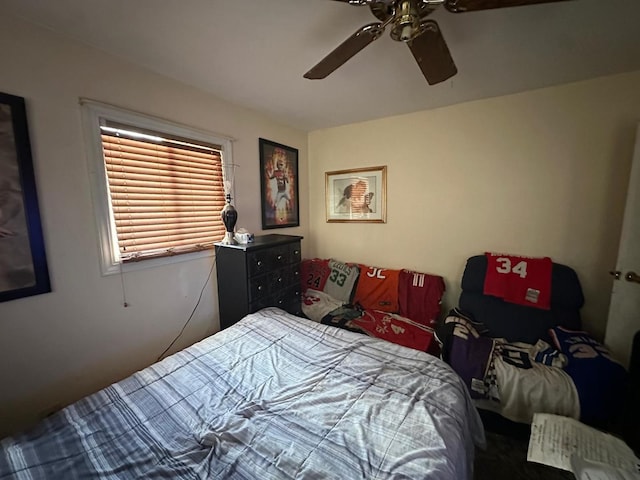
point(279, 185)
point(23, 263)
point(358, 195)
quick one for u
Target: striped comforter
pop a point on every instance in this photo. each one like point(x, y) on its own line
point(274, 396)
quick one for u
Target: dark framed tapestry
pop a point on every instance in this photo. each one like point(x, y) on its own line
point(23, 262)
point(278, 185)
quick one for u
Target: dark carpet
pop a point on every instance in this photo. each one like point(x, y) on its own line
point(505, 457)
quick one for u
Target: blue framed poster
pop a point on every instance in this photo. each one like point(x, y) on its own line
point(23, 262)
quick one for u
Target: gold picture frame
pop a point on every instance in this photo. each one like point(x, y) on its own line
point(357, 195)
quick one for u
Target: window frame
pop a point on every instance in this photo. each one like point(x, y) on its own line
point(92, 114)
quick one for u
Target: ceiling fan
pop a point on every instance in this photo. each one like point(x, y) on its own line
point(409, 24)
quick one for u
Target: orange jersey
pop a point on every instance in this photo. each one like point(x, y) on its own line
point(378, 289)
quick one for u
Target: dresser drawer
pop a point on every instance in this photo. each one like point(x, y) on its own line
point(294, 299)
point(295, 274)
point(295, 293)
point(272, 258)
point(294, 308)
point(280, 256)
point(260, 303)
point(290, 293)
point(280, 299)
point(295, 253)
point(259, 262)
point(278, 279)
point(259, 287)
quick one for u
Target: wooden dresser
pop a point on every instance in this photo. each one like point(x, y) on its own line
point(264, 273)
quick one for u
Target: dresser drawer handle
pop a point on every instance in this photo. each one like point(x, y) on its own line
point(296, 273)
point(279, 257)
point(279, 279)
point(280, 302)
point(259, 287)
point(259, 263)
point(296, 252)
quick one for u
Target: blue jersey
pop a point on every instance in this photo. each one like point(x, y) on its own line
point(599, 379)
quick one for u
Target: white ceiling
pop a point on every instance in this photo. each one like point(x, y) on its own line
point(254, 52)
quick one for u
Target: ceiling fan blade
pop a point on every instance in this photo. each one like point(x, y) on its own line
point(459, 6)
point(366, 2)
point(345, 51)
point(355, 2)
point(432, 54)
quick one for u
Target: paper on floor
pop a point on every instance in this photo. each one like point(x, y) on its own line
point(587, 470)
point(555, 439)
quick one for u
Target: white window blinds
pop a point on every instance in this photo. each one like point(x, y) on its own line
point(166, 192)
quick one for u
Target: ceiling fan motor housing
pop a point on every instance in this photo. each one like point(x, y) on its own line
point(407, 22)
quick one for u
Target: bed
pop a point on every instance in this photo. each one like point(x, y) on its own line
point(274, 396)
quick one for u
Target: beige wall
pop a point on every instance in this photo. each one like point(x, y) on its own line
point(539, 173)
point(57, 347)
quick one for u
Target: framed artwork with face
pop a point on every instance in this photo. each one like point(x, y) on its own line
point(357, 195)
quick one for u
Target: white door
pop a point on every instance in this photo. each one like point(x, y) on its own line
point(624, 312)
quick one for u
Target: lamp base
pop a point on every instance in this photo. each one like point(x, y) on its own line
point(229, 239)
point(229, 217)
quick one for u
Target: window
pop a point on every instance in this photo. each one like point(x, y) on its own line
point(157, 186)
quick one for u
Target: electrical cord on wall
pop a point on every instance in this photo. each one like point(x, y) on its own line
point(192, 311)
point(125, 304)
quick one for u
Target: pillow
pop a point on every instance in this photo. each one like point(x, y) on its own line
point(378, 289)
point(599, 379)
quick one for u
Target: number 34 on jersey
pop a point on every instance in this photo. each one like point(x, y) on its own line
point(504, 265)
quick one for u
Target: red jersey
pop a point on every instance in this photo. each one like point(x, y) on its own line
point(395, 329)
point(419, 296)
point(521, 280)
point(314, 273)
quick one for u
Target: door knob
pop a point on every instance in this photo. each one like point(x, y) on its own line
point(632, 277)
point(615, 274)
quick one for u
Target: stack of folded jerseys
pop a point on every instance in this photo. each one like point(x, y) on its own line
point(400, 306)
